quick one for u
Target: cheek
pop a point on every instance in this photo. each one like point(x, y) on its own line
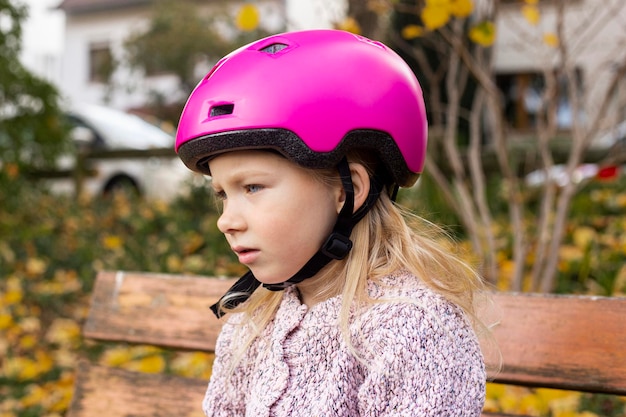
point(307, 221)
point(317, 217)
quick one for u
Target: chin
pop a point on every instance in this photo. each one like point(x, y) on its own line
point(270, 279)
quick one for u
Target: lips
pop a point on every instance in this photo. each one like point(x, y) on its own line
point(246, 255)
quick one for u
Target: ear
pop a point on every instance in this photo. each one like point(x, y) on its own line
point(360, 185)
point(360, 182)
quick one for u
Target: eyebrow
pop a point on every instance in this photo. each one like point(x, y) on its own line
point(242, 175)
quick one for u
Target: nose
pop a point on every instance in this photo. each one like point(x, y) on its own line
point(231, 220)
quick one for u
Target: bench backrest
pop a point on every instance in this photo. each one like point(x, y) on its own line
point(565, 342)
point(562, 341)
point(157, 309)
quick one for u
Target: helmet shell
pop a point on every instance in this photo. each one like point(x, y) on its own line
point(311, 95)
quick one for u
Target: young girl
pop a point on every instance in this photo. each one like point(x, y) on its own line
point(346, 310)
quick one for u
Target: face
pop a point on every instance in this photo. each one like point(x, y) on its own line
point(276, 215)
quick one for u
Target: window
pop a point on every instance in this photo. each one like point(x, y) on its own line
point(101, 63)
point(523, 101)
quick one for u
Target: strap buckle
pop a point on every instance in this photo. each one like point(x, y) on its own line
point(337, 246)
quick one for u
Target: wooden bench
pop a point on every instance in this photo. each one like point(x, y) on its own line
point(565, 342)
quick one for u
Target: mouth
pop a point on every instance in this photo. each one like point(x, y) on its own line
point(246, 255)
point(239, 250)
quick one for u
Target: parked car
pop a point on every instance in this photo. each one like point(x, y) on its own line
point(122, 152)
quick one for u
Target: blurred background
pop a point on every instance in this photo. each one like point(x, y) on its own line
point(526, 102)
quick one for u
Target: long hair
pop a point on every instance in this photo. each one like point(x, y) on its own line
point(387, 240)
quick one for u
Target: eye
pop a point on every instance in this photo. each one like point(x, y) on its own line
point(219, 194)
point(253, 188)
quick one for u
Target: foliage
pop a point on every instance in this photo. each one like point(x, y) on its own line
point(177, 38)
point(32, 130)
point(51, 249)
point(550, 402)
point(182, 38)
point(49, 252)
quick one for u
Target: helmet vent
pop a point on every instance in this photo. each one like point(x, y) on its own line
point(273, 48)
point(221, 110)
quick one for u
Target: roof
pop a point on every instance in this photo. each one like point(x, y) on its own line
point(88, 6)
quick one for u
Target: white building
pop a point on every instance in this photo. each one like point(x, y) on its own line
point(96, 29)
point(595, 40)
point(42, 39)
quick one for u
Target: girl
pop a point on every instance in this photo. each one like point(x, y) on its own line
point(346, 310)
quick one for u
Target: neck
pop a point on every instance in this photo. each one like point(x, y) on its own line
point(322, 286)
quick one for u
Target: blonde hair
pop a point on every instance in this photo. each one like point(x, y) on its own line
point(387, 240)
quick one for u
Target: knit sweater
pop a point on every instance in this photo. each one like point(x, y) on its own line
point(418, 358)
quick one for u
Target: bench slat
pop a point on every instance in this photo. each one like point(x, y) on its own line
point(158, 309)
point(103, 391)
point(567, 342)
point(112, 392)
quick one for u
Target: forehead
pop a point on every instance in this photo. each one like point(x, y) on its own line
point(249, 161)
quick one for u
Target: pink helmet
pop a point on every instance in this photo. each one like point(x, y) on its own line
point(312, 96)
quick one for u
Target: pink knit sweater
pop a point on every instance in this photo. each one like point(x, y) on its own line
point(421, 359)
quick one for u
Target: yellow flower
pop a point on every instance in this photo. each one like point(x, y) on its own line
point(506, 272)
point(570, 253)
point(64, 332)
point(13, 297)
point(44, 361)
point(435, 15)
point(584, 237)
point(551, 39)
point(248, 18)
point(35, 266)
point(620, 199)
point(349, 24)
point(495, 390)
point(21, 368)
point(117, 356)
point(174, 263)
point(112, 242)
point(28, 341)
point(619, 285)
point(193, 364)
point(69, 279)
point(483, 33)
point(412, 31)
point(35, 395)
point(461, 8)
point(49, 288)
point(533, 404)
point(194, 241)
point(30, 324)
point(63, 390)
point(531, 14)
point(566, 404)
point(153, 364)
point(6, 320)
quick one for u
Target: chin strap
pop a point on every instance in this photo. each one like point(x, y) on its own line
point(336, 247)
